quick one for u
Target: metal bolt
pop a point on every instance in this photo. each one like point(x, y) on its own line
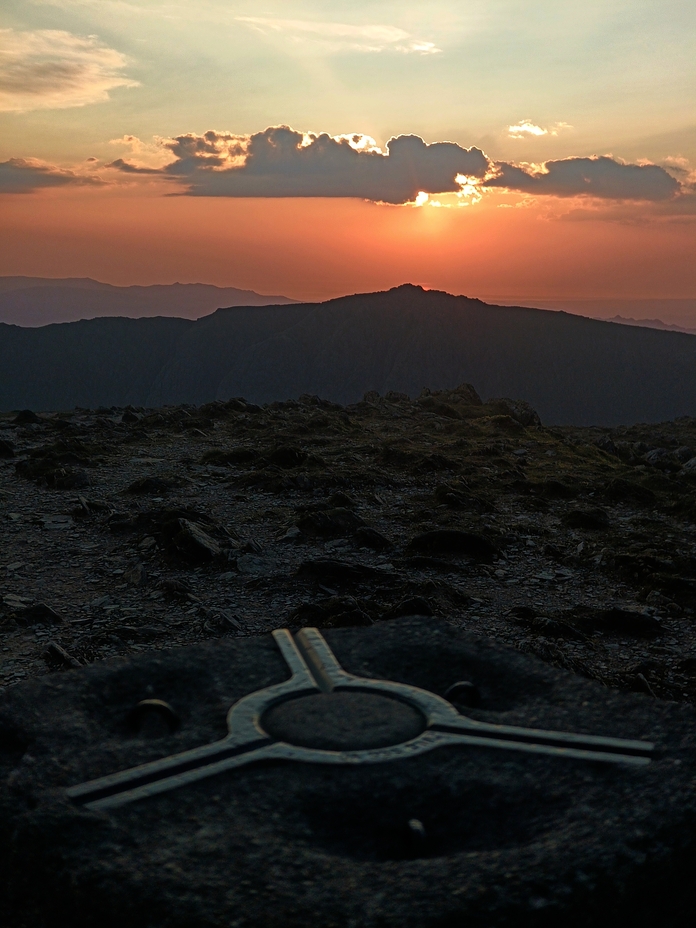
point(416, 838)
point(153, 718)
point(464, 693)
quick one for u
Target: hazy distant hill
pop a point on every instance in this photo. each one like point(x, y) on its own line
point(676, 314)
point(34, 301)
point(572, 369)
point(650, 324)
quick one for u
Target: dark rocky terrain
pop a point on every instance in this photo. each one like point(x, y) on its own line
point(132, 529)
point(573, 370)
point(131, 532)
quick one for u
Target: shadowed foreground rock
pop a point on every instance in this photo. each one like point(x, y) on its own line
point(473, 836)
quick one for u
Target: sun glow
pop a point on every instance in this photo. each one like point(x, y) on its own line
point(469, 190)
point(468, 194)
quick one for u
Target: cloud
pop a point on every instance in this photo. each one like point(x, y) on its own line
point(600, 176)
point(24, 175)
point(281, 162)
point(54, 69)
point(526, 128)
point(334, 37)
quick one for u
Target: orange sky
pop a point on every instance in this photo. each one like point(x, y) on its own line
point(319, 248)
point(563, 134)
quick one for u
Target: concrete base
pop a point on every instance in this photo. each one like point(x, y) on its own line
point(502, 839)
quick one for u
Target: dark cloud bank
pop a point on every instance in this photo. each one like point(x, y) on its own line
point(20, 175)
point(281, 162)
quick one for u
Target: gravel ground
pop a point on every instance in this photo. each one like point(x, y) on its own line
point(126, 530)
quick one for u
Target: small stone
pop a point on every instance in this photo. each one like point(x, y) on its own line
point(334, 571)
point(414, 605)
point(194, 543)
point(14, 601)
point(6, 449)
point(660, 458)
point(55, 652)
point(342, 500)
point(286, 457)
point(255, 566)
point(330, 522)
point(26, 417)
point(136, 575)
point(518, 410)
point(230, 619)
point(629, 622)
point(174, 587)
point(335, 612)
point(589, 519)
point(68, 478)
point(154, 485)
point(53, 522)
point(40, 614)
point(525, 613)
point(453, 541)
point(371, 538)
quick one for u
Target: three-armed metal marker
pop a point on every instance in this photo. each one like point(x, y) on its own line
point(373, 720)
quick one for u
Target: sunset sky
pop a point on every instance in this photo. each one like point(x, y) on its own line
point(503, 148)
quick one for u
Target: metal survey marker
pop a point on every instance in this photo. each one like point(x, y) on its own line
point(325, 715)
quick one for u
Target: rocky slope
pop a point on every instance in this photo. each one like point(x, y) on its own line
point(132, 529)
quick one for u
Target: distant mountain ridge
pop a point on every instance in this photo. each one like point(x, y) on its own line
point(573, 370)
point(650, 324)
point(36, 301)
point(678, 314)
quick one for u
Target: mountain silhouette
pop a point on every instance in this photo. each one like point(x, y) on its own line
point(572, 369)
point(34, 301)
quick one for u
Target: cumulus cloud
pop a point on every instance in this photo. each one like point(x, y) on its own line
point(527, 129)
point(602, 177)
point(330, 36)
point(54, 69)
point(24, 175)
point(281, 162)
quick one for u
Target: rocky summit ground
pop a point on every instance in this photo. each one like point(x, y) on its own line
point(125, 530)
